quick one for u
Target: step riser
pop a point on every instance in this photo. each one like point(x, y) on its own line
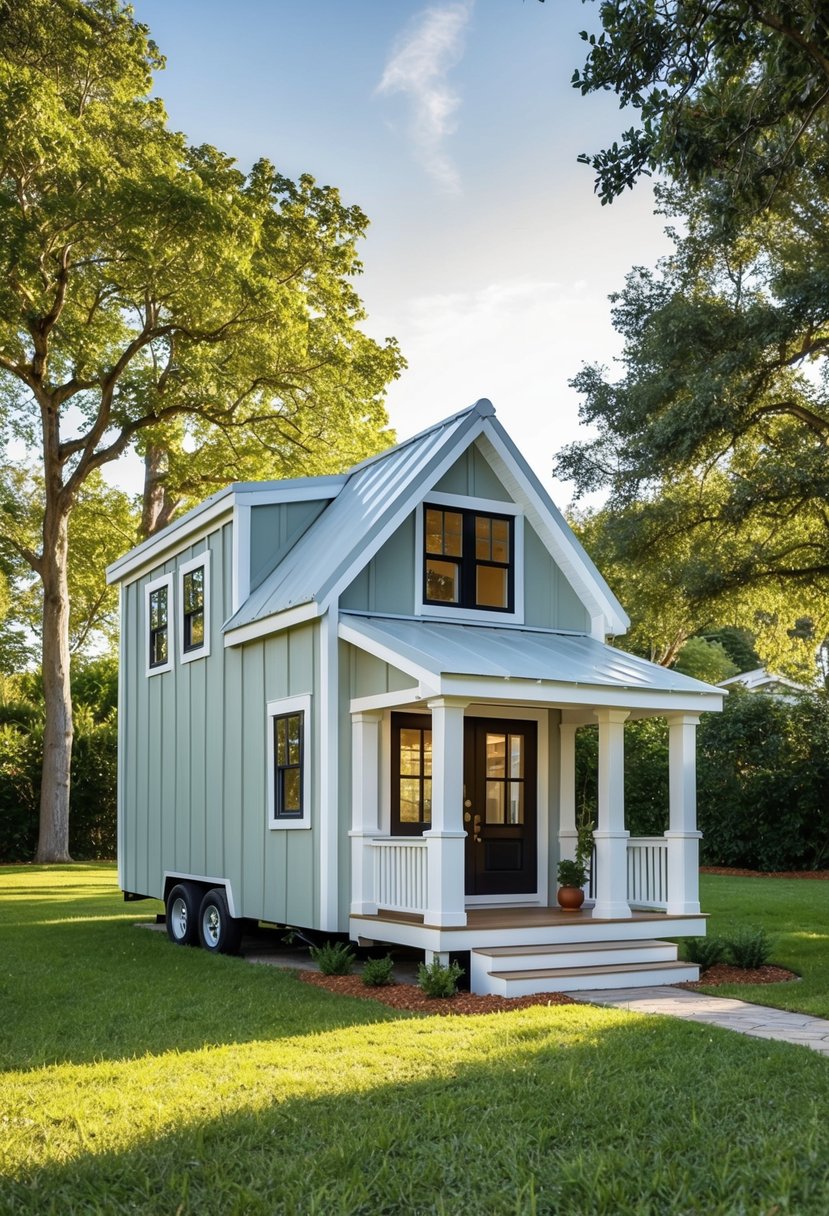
point(503, 986)
point(539, 958)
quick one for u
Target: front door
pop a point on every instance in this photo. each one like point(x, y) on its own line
point(500, 806)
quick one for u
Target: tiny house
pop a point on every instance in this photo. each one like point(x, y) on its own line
point(349, 704)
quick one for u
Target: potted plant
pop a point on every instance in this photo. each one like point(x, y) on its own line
point(572, 872)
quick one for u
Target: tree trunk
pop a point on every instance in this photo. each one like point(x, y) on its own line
point(158, 509)
point(53, 841)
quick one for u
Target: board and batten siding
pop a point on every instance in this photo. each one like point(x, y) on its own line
point(193, 795)
point(274, 530)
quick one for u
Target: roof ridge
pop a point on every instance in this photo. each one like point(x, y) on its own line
point(483, 407)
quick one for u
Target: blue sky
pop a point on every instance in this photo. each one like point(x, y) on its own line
point(454, 126)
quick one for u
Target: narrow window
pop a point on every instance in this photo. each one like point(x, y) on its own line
point(288, 745)
point(159, 627)
point(193, 608)
point(411, 774)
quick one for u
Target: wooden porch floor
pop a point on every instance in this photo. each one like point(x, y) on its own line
point(478, 919)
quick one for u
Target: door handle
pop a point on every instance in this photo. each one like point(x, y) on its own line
point(476, 829)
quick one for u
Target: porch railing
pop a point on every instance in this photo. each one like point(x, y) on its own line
point(400, 873)
point(647, 859)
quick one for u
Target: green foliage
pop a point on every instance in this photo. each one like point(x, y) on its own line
point(704, 951)
point(334, 958)
point(646, 774)
point(378, 972)
point(705, 660)
point(750, 947)
point(438, 981)
point(571, 873)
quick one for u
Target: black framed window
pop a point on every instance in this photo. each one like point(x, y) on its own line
point(411, 762)
point(159, 614)
point(192, 589)
point(468, 559)
point(288, 747)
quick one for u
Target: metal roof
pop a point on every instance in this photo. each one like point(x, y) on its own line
point(514, 653)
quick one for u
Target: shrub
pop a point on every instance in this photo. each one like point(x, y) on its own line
point(377, 972)
point(334, 958)
point(704, 951)
point(571, 873)
point(439, 981)
point(750, 948)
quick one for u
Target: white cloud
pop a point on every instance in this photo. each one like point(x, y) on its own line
point(419, 67)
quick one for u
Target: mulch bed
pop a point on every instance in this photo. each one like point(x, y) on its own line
point(725, 973)
point(410, 997)
point(734, 872)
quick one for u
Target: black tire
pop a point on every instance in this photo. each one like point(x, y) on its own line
point(182, 914)
point(219, 932)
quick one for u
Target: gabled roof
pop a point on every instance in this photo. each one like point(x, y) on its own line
point(379, 494)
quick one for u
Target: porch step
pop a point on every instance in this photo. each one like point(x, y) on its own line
point(524, 970)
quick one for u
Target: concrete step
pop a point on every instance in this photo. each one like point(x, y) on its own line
point(558, 955)
point(581, 979)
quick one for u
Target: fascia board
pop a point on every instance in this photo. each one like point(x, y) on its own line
point(158, 549)
point(558, 537)
point(388, 654)
point(405, 504)
point(532, 692)
point(275, 623)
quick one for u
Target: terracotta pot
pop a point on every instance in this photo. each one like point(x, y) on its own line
point(570, 899)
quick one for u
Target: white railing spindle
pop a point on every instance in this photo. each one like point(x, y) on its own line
point(400, 874)
point(647, 862)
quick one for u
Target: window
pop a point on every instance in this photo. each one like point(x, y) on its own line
point(194, 579)
point(411, 811)
point(289, 770)
point(158, 605)
point(468, 559)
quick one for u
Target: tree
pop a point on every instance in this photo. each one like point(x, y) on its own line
point(732, 95)
point(152, 294)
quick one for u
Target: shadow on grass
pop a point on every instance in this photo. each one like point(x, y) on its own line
point(554, 1112)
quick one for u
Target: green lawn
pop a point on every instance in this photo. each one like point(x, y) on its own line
point(144, 1078)
point(795, 913)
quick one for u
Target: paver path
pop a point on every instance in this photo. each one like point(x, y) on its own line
point(756, 1020)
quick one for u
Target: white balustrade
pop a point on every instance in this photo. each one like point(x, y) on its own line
point(647, 862)
point(400, 873)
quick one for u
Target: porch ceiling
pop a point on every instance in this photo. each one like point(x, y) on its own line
point(540, 666)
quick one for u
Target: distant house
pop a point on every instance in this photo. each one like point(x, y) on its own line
point(349, 704)
point(761, 680)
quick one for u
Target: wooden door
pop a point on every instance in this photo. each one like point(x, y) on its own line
point(500, 812)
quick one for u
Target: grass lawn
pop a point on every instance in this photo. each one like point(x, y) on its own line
point(139, 1077)
point(795, 913)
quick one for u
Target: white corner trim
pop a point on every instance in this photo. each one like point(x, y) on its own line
point(201, 652)
point(329, 770)
point(275, 709)
point(240, 587)
point(166, 580)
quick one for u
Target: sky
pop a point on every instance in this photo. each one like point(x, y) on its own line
point(455, 128)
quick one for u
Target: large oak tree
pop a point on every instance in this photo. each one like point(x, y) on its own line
point(153, 296)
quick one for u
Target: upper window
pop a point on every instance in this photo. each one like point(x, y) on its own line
point(195, 607)
point(468, 559)
point(158, 625)
point(289, 775)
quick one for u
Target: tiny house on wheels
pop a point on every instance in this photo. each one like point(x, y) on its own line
point(349, 704)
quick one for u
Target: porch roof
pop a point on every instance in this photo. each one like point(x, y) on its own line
point(442, 656)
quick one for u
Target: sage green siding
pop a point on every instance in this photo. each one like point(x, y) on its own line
point(194, 740)
point(472, 476)
point(386, 584)
point(274, 529)
point(549, 600)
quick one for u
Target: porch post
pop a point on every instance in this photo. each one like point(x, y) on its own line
point(446, 904)
point(567, 834)
point(365, 808)
point(682, 836)
point(610, 835)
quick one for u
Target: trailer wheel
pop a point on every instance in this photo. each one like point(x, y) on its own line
point(219, 932)
point(183, 914)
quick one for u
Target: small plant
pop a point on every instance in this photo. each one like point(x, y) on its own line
point(571, 873)
point(439, 981)
point(334, 958)
point(750, 948)
point(377, 972)
point(704, 951)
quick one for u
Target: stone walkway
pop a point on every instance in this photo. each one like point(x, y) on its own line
point(756, 1020)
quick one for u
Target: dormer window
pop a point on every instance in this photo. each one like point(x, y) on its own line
point(468, 559)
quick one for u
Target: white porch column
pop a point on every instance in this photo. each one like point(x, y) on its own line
point(682, 836)
point(446, 836)
point(610, 835)
point(365, 808)
point(567, 833)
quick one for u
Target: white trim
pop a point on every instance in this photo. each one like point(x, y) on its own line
point(199, 652)
point(275, 623)
point(166, 580)
point(329, 769)
point(541, 692)
point(390, 700)
point(386, 653)
point(459, 615)
point(180, 876)
point(276, 709)
point(170, 541)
